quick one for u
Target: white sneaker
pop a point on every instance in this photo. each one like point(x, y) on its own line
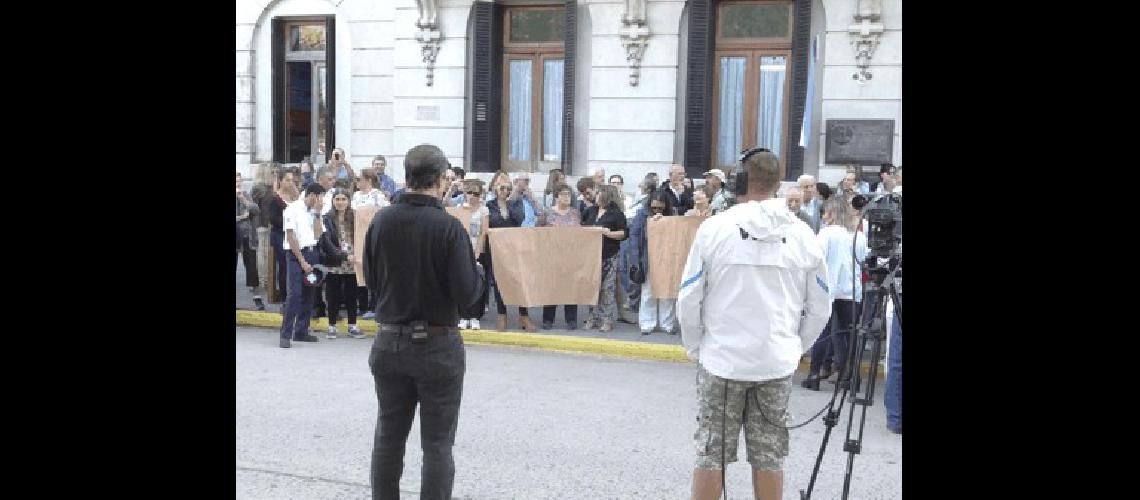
point(354, 332)
point(473, 324)
point(332, 332)
point(463, 324)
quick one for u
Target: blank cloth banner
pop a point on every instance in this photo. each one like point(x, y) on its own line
point(540, 266)
point(362, 218)
point(670, 239)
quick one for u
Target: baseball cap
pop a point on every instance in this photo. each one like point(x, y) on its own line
point(718, 173)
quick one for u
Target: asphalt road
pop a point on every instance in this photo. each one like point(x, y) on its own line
point(533, 424)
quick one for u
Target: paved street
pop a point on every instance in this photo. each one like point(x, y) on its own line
point(534, 424)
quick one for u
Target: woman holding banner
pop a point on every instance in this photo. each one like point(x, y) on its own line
point(367, 193)
point(503, 213)
point(608, 214)
point(653, 313)
point(477, 231)
point(561, 214)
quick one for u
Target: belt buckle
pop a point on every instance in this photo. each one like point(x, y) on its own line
point(419, 331)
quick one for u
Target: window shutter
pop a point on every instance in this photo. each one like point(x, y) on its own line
point(486, 129)
point(570, 46)
point(698, 101)
point(277, 53)
point(801, 48)
point(330, 84)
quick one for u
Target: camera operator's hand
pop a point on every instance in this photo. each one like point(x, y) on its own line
point(305, 266)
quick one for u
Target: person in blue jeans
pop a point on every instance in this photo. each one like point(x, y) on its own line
point(302, 224)
point(893, 394)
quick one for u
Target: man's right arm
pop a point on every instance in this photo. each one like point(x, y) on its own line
point(465, 277)
point(690, 300)
point(817, 306)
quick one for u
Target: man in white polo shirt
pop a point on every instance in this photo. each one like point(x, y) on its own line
point(302, 223)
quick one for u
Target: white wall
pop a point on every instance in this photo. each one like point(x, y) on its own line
point(445, 98)
point(846, 98)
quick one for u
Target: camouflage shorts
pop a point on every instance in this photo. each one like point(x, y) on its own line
point(767, 444)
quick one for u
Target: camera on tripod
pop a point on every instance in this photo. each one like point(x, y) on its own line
point(884, 225)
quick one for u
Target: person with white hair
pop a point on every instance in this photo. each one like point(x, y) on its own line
point(811, 204)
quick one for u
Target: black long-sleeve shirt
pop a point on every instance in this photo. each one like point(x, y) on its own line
point(419, 261)
point(614, 220)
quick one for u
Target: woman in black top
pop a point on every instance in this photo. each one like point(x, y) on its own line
point(503, 212)
point(608, 213)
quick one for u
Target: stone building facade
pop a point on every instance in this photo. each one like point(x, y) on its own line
point(629, 86)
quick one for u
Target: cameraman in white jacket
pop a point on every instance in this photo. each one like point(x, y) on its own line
point(753, 300)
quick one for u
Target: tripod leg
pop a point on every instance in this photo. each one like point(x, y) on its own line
point(875, 331)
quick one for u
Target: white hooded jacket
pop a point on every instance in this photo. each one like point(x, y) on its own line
point(754, 296)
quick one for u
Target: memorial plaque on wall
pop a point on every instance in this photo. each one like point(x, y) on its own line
point(859, 142)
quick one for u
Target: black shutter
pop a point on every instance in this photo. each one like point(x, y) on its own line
point(486, 124)
point(330, 84)
point(801, 50)
point(570, 46)
point(277, 78)
point(698, 90)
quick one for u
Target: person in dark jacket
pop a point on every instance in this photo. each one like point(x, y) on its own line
point(504, 212)
point(680, 194)
point(340, 284)
point(653, 314)
point(247, 213)
point(419, 261)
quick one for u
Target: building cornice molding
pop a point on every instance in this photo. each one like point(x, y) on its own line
point(865, 34)
point(429, 35)
point(634, 36)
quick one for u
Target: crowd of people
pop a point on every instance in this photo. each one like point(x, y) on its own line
point(508, 201)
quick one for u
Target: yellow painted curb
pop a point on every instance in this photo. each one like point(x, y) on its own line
point(562, 343)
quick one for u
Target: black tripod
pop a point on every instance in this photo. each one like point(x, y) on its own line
point(868, 328)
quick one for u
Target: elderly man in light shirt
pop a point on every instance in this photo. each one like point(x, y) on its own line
point(811, 201)
point(531, 207)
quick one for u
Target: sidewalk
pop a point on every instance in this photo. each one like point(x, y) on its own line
point(625, 340)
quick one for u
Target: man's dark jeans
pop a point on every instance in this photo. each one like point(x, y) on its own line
point(892, 398)
point(407, 372)
point(299, 303)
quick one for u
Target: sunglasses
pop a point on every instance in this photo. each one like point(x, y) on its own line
point(475, 193)
point(657, 209)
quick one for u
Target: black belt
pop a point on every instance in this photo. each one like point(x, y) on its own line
point(309, 248)
point(417, 329)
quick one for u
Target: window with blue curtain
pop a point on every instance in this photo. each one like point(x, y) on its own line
point(769, 122)
point(518, 129)
point(552, 80)
point(730, 126)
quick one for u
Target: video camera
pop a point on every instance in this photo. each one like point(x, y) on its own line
point(884, 218)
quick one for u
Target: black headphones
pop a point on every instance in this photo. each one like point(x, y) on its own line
point(741, 176)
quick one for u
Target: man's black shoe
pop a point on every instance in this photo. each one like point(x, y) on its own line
point(285, 344)
point(896, 430)
point(259, 303)
point(810, 383)
point(307, 338)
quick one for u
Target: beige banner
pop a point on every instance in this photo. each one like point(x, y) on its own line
point(670, 239)
point(362, 218)
point(539, 266)
point(463, 214)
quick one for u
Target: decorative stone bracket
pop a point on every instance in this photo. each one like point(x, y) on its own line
point(429, 35)
point(634, 37)
point(865, 34)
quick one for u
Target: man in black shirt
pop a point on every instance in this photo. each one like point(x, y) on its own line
point(419, 261)
point(680, 194)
